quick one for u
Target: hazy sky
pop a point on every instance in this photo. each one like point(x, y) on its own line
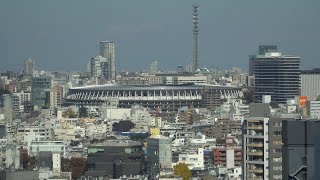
point(65, 34)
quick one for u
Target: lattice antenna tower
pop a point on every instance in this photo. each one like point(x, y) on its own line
point(195, 53)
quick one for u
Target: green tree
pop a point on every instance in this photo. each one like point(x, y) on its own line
point(4, 91)
point(65, 165)
point(69, 113)
point(182, 170)
point(83, 112)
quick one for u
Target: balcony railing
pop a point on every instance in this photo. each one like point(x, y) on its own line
point(254, 127)
point(255, 153)
point(255, 170)
point(255, 145)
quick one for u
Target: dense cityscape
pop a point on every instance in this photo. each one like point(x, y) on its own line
point(193, 122)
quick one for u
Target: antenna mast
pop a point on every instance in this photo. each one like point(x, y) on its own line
point(195, 55)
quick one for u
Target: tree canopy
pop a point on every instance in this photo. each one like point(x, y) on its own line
point(182, 170)
point(83, 112)
point(69, 114)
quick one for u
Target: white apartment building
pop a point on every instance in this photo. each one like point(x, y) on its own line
point(23, 97)
point(194, 159)
point(310, 85)
point(95, 131)
point(313, 108)
point(201, 140)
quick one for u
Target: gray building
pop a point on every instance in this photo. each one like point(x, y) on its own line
point(100, 67)
point(115, 158)
point(275, 148)
point(262, 50)
point(298, 152)
point(10, 105)
point(2, 131)
point(310, 83)
point(154, 67)
point(17, 175)
point(107, 50)
point(29, 67)
point(40, 91)
point(276, 75)
point(267, 48)
point(159, 154)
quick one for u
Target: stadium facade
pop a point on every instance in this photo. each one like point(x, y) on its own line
point(164, 97)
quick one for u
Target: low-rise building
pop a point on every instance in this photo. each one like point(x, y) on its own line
point(51, 146)
point(115, 158)
point(194, 159)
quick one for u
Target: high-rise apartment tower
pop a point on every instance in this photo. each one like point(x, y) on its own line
point(29, 66)
point(107, 50)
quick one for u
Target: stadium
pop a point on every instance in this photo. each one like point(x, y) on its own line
point(164, 97)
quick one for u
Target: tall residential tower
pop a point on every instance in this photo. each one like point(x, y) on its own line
point(28, 67)
point(107, 50)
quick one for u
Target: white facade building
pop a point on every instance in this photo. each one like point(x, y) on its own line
point(177, 80)
point(56, 164)
point(310, 85)
point(23, 97)
point(313, 109)
point(194, 160)
point(96, 131)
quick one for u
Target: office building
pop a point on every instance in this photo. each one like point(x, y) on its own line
point(298, 153)
point(107, 50)
point(262, 50)
point(310, 83)
point(276, 75)
point(267, 48)
point(115, 158)
point(159, 154)
point(29, 67)
point(40, 91)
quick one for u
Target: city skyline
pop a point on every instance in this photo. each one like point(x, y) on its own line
point(164, 35)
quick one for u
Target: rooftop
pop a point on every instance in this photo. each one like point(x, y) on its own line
point(152, 87)
point(117, 143)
